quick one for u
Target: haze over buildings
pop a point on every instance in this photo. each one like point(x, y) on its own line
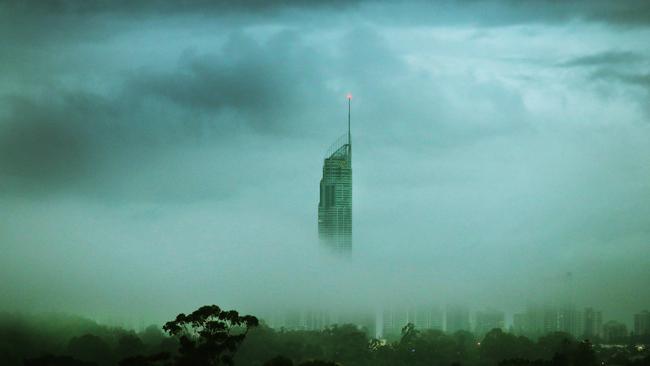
point(157, 156)
point(335, 204)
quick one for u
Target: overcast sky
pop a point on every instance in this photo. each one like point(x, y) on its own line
point(155, 157)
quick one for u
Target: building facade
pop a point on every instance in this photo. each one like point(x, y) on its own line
point(614, 332)
point(335, 204)
point(488, 320)
point(592, 323)
point(540, 320)
point(642, 323)
point(393, 318)
point(569, 320)
point(457, 318)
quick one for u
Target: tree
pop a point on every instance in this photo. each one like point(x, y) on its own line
point(129, 345)
point(90, 347)
point(319, 363)
point(584, 355)
point(408, 345)
point(279, 361)
point(160, 359)
point(344, 343)
point(51, 360)
point(554, 343)
point(409, 334)
point(498, 345)
point(209, 335)
point(152, 335)
point(466, 347)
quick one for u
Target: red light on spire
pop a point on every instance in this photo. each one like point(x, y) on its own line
point(349, 96)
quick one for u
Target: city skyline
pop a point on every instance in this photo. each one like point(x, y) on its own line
point(535, 321)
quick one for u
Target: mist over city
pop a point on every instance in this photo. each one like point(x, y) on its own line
point(159, 156)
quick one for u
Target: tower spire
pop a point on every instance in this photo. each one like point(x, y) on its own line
point(349, 134)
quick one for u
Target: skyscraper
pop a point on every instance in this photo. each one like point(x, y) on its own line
point(335, 205)
point(592, 323)
point(614, 332)
point(536, 321)
point(568, 320)
point(457, 318)
point(642, 323)
point(488, 320)
point(394, 318)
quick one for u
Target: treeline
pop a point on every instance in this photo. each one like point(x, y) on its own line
point(211, 336)
point(27, 337)
point(348, 345)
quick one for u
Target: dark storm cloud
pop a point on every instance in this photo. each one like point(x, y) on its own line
point(164, 6)
point(57, 140)
point(474, 12)
point(642, 80)
point(623, 13)
point(71, 140)
point(50, 137)
point(604, 59)
point(509, 12)
point(264, 84)
point(31, 23)
point(66, 137)
point(247, 85)
point(272, 87)
point(45, 21)
point(628, 78)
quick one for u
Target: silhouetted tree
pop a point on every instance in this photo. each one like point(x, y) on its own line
point(209, 335)
point(161, 359)
point(554, 343)
point(466, 347)
point(409, 334)
point(90, 347)
point(261, 344)
point(498, 345)
point(128, 345)
point(346, 344)
point(584, 354)
point(51, 360)
point(78, 342)
point(408, 345)
point(279, 361)
point(515, 362)
point(319, 363)
point(152, 336)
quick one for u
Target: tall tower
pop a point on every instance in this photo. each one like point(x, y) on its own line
point(335, 205)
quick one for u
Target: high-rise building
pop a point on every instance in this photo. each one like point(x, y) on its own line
point(299, 319)
point(393, 319)
point(335, 205)
point(426, 317)
point(642, 323)
point(457, 318)
point(423, 317)
point(592, 323)
point(488, 320)
point(568, 320)
point(520, 323)
point(540, 320)
point(614, 332)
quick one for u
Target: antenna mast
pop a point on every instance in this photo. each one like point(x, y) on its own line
point(349, 134)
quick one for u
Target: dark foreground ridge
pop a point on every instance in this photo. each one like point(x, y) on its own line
point(212, 336)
